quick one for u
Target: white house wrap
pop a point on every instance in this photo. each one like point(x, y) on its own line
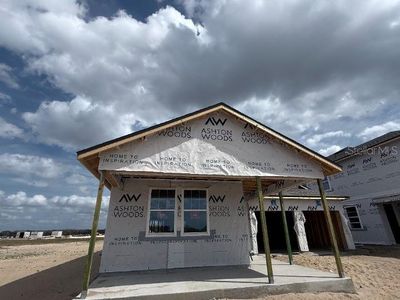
point(181, 191)
point(217, 144)
point(126, 246)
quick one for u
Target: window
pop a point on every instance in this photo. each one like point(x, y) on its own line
point(354, 218)
point(161, 218)
point(195, 212)
point(327, 184)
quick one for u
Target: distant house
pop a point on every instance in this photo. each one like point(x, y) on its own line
point(371, 177)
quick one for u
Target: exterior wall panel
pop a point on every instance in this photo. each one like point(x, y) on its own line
point(126, 247)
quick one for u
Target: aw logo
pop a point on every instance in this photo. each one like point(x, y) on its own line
point(241, 209)
point(317, 204)
point(253, 208)
point(293, 207)
point(273, 206)
point(129, 198)
point(249, 126)
point(216, 199)
point(213, 121)
point(180, 198)
point(367, 160)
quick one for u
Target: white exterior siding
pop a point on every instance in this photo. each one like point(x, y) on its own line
point(126, 247)
point(367, 176)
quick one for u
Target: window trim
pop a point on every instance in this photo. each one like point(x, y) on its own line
point(328, 181)
point(358, 216)
point(149, 210)
point(183, 233)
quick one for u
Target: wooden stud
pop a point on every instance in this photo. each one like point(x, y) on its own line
point(331, 230)
point(264, 231)
point(285, 229)
point(92, 242)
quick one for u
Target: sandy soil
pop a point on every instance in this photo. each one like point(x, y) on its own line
point(375, 271)
point(35, 270)
point(50, 270)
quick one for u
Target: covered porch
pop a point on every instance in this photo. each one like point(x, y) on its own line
point(237, 282)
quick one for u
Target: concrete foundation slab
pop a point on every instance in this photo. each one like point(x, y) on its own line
point(216, 282)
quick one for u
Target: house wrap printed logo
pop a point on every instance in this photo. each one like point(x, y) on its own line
point(218, 210)
point(214, 121)
point(241, 209)
point(179, 131)
point(250, 135)
point(216, 134)
point(129, 211)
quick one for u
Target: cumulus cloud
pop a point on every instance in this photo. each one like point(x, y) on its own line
point(330, 150)
point(19, 211)
point(377, 130)
point(10, 131)
point(77, 123)
point(317, 138)
point(38, 166)
point(44, 172)
point(7, 77)
point(334, 63)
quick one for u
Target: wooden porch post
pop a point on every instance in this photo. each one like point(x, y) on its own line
point(331, 230)
point(264, 230)
point(285, 229)
point(88, 267)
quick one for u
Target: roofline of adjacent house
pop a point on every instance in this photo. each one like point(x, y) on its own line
point(105, 146)
point(356, 149)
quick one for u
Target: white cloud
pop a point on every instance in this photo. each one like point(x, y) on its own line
point(31, 182)
point(76, 178)
point(21, 164)
point(377, 130)
point(21, 211)
point(7, 77)
point(8, 130)
point(329, 150)
point(77, 123)
point(21, 199)
point(297, 77)
point(317, 138)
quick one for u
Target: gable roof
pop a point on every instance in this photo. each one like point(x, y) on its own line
point(350, 151)
point(89, 153)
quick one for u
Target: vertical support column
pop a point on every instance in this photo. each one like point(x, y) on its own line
point(96, 214)
point(331, 230)
point(285, 229)
point(264, 230)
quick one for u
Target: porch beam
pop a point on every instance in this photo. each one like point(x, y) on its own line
point(285, 229)
point(264, 231)
point(331, 230)
point(92, 242)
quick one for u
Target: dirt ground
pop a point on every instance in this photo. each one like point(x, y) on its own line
point(53, 270)
point(45, 270)
point(375, 271)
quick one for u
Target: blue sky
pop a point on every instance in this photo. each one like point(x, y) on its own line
point(74, 74)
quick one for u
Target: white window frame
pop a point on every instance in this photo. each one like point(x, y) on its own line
point(328, 181)
point(358, 216)
point(183, 233)
point(161, 234)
